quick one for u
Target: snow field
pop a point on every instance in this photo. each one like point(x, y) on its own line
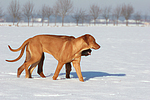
point(119, 70)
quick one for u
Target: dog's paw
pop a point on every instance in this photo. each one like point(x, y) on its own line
point(81, 79)
point(18, 76)
point(27, 76)
point(42, 75)
point(54, 78)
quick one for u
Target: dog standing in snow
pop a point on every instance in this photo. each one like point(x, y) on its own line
point(62, 48)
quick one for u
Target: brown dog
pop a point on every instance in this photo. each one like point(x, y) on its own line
point(67, 65)
point(40, 64)
point(57, 46)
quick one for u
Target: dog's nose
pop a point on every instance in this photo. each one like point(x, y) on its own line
point(98, 46)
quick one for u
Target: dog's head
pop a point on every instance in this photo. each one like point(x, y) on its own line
point(90, 41)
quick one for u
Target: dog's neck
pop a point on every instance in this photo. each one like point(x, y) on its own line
point(79, 45)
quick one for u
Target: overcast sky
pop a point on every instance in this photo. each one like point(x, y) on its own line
point(139, 5)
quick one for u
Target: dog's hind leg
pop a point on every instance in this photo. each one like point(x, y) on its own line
point(33, 60)
point(40, 66)
point(25, 66)
point(30, 70)
point(21, 68)
point(35, 50)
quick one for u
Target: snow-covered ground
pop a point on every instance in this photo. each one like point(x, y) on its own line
point(119, 70)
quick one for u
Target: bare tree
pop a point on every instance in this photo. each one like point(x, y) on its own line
point(94, 12)
point(49, 12)
point(34, 15)
point(1, 12)
point(127, 10)
point(106, 13)
point(145, 17)
point(83, 16)
point(13, 9)
point(137, 17)
point(113, 19)
point(65, 7)
point(19, 16)
point(43, 13)
point(89, 18)
point(28, 10)
point(78, 15)
point(55, 12)
point(117, 13)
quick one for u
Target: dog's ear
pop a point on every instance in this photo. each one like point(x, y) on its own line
point(85, 38)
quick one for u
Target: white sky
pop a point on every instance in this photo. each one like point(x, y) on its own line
point(139, 5)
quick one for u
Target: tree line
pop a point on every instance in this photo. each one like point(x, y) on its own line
point(64, 8)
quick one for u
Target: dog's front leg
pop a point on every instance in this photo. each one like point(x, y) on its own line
point(76, 64)
point(59, 67)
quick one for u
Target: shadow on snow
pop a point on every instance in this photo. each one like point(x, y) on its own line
point(92, 74)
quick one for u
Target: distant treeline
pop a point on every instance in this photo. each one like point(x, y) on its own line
point(64, 11)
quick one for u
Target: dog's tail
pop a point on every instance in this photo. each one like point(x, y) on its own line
point(22, 47)
point(15, 50)
point(22, 51)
